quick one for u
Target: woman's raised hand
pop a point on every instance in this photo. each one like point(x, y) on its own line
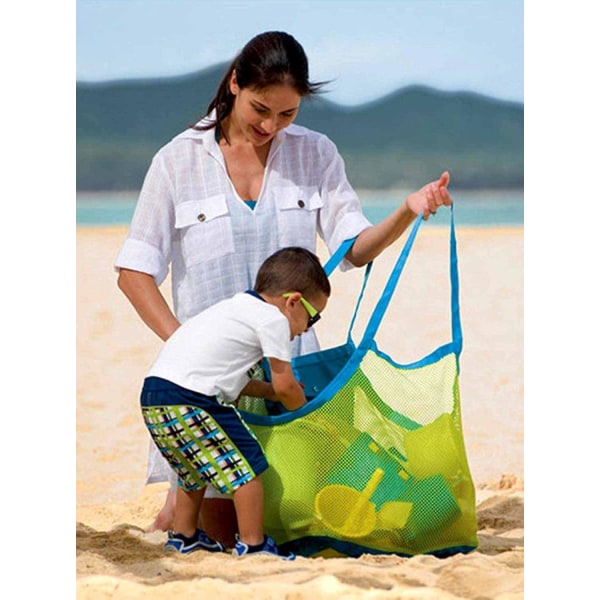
point(430, 197)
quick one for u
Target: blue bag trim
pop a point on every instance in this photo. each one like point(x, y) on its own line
point(310, 545)
point(333, 262)
point(431, 358)
point(390, 286)
point(336, 258)
point(324, 396)
point(457, 338)
point(333, 360)
point(358, 302)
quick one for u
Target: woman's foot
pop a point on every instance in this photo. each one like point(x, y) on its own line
point(164, 519)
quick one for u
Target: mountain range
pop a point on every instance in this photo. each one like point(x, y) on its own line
point(402, 140)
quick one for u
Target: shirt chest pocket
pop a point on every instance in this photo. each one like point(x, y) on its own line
point(297, 217)
point(205, 229)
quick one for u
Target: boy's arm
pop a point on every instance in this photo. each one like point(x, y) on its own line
point(287, 389)
point(259, 389)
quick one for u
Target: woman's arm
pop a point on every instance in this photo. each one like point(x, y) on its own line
point(145, 296)
point(372, 241)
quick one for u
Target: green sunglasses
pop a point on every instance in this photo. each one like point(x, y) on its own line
point(313, 313)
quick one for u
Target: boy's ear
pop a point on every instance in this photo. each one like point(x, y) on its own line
point(293, 298)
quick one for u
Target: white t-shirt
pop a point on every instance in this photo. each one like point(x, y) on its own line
point(212, 352)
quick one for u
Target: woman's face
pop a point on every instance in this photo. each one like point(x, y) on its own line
point(259, 114)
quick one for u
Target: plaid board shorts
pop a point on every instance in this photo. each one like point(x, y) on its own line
point(203, 441)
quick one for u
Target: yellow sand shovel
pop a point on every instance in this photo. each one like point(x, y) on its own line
point(347, 511)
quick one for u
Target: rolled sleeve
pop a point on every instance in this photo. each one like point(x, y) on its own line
point(149, 243)
point(350, 225)
point(341, 217)
point(141, 256)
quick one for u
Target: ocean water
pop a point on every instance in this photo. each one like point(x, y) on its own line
point(481, 208)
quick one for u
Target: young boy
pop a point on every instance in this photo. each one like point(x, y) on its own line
point(188, 395)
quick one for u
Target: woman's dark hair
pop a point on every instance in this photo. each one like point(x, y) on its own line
point(270, 58)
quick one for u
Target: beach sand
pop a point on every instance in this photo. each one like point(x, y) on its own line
point(116, 558)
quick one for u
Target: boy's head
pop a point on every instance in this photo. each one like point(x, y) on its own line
point(294, 280)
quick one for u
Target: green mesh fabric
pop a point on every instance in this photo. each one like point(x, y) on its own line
point(379, 467)
point(375, 462)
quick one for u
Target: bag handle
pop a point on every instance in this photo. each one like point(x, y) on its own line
point(394, 277)
point(457, 338)
point(335, 259)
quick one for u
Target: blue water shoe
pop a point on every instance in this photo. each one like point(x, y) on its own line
point(178, 542)
point(267, 547)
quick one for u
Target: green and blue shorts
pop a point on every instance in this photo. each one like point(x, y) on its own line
point(203, 441)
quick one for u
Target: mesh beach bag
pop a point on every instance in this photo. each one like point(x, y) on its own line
point(375, 461)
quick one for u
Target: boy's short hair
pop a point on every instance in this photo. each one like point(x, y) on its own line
point(292, 268)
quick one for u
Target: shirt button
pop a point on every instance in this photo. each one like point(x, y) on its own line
point(201, 217)
point(301, 203)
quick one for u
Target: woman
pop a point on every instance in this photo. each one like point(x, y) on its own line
point(244, 182)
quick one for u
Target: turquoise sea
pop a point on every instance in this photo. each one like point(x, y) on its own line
point(481, 208)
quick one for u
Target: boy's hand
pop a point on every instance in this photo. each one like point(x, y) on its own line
point(257, 388)
point(287, 389)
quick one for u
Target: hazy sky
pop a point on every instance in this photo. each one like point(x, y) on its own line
point(369, 48)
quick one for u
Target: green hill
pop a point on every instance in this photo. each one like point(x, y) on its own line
point(401, 140)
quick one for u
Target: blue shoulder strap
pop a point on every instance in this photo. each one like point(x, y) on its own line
point(457, 338)
point(386, 296)
point(390, 287)
point(335, 259)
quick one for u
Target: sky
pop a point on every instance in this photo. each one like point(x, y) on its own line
point(368, 48)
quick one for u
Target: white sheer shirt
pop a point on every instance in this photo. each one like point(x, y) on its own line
point(189, 215)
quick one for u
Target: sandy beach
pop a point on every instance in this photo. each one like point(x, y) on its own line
point(116, 558)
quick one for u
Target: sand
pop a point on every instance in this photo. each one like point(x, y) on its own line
point(116, 558)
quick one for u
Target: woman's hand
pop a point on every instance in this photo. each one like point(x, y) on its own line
point(430, 197)
point(373, 240)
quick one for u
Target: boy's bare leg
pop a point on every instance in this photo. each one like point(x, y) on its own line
point(166, 515)
point(248, 501)
point(188, 509)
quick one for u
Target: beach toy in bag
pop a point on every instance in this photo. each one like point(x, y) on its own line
point(304, 448)
point(361, 459)
point(406, 506)
point(347, 511)
point(375, 462)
